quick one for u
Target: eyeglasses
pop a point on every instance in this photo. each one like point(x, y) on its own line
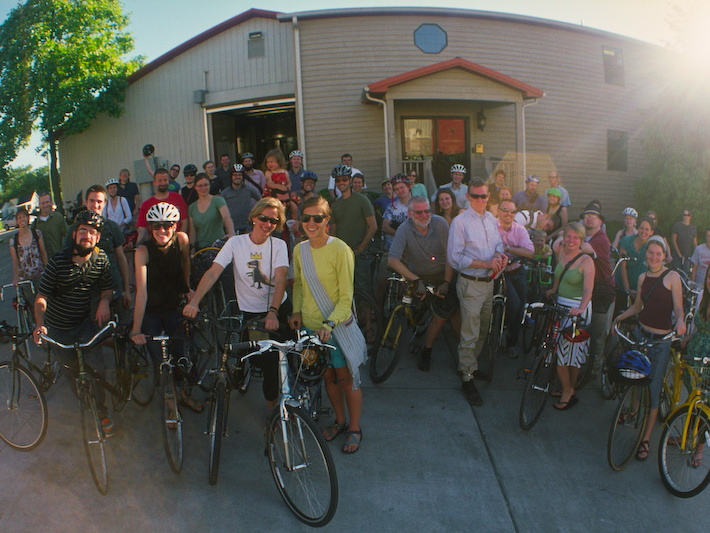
point(506, 210)
point(264, 218)
point(155, 226)
point(686, 214)
point(317, 218)
point(478, 196)
point(338, 180)
point(421, 211)
point(90, 231)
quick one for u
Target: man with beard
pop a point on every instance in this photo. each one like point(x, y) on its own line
point(295, 170)
point(529, 199)
point(161, 179)
point(253, 176)
point(240, 199)
point(188, 192)
point(63, 301)
point(418, 253)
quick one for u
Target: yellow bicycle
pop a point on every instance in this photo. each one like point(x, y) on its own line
point(684, 451)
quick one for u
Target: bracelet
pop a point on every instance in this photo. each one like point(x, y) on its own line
point(136, 334)
point(272, 308)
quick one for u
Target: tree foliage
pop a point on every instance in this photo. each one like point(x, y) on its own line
point(22, 181)
point(62, 62)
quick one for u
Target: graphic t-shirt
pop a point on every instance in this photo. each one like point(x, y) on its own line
point(254, 266)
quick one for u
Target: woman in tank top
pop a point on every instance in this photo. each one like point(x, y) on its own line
point(574, 290)
point(659, 300)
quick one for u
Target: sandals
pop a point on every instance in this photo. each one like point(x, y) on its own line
point(191, 404)
point(644, 451)
point(333, 431)
point(564, 406)
point(352, 438)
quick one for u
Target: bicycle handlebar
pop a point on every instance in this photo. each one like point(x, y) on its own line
point(19, 284)
point(110, 325)
point(645, 342)
point(290, 345)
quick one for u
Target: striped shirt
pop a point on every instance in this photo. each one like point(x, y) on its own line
point(69, 287)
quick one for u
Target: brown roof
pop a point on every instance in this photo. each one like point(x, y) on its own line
point(379, 88)
point(219, 28)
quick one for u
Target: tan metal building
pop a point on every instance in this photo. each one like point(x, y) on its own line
point(396, 88)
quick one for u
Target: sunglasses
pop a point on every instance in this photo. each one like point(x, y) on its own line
point(165, 225)
point(686, 214)
point(264, 218)
point(478, 196)
point(421, 211)
point(338, 180)
point(506, 210)
point(317, 218)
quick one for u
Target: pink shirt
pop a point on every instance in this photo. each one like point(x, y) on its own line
point(516, 237)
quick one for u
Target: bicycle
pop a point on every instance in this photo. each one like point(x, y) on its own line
point(23, 407)
point(684, 451)
point(632, 410)
point(369, 318)
point(538, 274)
point(25, 319)
point(300, 460)
point(542, 375)
point(122, 391)
point(495, 337)
point(411, 315)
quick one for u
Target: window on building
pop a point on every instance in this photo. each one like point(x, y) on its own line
point(255, 45)
point(430, 38)
point(617, 150)
point(613, 65)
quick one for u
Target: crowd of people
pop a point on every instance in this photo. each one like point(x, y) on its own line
point(297, 256)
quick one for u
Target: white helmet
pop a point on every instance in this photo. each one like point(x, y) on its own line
point(112, 181)
point(296, 153)
point(163, 212)
point(458, 168)
point(630, 212)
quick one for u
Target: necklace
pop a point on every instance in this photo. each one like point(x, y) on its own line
point(655, 271)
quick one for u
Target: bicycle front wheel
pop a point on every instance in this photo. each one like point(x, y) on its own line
point(23, 408)
point(216, 429)
point(369, 319)
point(612, 350)
point(532, 329)
point(171, 421)
point(142, 371)
point(537, 388)
point(627, 426)
point(302, 467)
point(384, 361)
point(683, 456)
point(93, 435)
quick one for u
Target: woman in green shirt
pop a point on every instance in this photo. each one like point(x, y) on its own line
point(574, 290)
point(209, 216)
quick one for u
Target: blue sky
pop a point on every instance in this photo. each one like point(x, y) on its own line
point(160, 25)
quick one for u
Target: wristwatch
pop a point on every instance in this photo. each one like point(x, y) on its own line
point(329, 323)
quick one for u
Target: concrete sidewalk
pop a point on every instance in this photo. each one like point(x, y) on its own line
point(428, 462)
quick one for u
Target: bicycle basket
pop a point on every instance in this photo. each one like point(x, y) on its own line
point(311, 363)
point(702, 369)
point(231, 318)
point(632, 367)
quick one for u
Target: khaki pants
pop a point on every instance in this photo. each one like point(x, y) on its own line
point(476, 300)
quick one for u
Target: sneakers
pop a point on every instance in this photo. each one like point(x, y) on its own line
point(471, 393)
point(107, 426)
point(424, 362)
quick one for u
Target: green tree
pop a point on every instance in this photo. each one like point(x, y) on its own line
point(62, 62)
point(22, 181)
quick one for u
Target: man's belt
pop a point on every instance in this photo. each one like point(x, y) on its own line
point(485, 279)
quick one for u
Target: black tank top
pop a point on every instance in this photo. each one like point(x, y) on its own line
point(165, 279)
point(658, 307)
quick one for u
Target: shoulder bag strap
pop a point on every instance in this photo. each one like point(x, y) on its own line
point(580, 254)
point(653, 287)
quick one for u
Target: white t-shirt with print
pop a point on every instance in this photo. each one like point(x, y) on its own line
point(254, 266)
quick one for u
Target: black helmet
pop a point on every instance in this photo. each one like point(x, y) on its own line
point(341, 170)
point(89, 218)
point(148, 150)
point(189, 169)
point(247, 155)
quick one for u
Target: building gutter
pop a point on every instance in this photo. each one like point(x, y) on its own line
point(299, 89)
point(525, 146)
point(387, 136)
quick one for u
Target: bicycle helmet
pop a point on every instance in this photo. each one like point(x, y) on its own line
point(112, 181)
point(341, 170)
point(399, 178)
point(296, 153)
point(532, 177)
point(148, 150)
point(89, 218)
point(311, 363)
point(237, 168)
point(246, 155)
point(458, 168)
point(190, 169)
point(630, 212)
point(163, 212)
point(309, 175)
point(634, 365)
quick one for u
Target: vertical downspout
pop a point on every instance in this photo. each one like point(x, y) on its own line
point(387, 133)
point(525, 146)
point(299, 89)
point(205, 125)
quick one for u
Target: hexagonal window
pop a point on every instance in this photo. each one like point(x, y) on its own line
point(430, 38)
